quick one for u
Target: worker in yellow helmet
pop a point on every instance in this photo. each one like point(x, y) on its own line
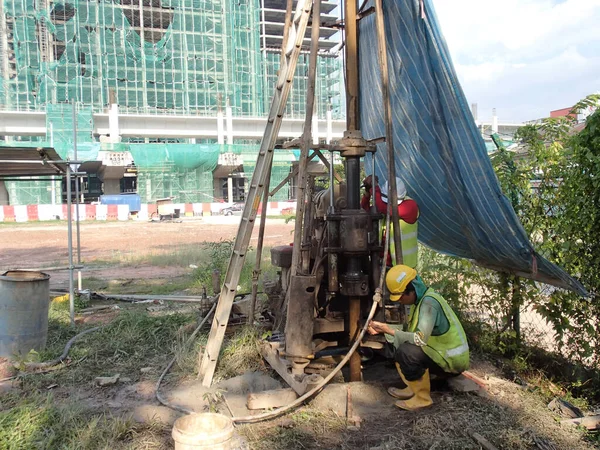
point(434, 340)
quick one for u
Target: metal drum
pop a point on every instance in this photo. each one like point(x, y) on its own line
point(24, 303)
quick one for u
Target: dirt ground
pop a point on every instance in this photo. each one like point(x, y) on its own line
point(45, 245)
point(507, 414)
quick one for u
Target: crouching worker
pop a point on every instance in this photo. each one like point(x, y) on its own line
point(434, 341)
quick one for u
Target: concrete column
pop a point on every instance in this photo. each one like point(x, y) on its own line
point(494, 121)
point(229, 119)
point(12, 195)
point(329, 134)
point(230, 190)
point(220, 127)
point(113, 123)
point(148, 190)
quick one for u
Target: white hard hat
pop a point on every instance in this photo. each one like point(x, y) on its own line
point(400, 189)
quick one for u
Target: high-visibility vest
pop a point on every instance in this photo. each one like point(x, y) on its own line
point(409, 241)
point(450, 350)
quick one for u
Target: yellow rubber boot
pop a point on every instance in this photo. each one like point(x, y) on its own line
point(422, 397)
point(401, 394)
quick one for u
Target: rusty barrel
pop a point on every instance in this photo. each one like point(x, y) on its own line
point(24, 303)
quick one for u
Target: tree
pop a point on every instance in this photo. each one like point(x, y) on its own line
point(561, 213)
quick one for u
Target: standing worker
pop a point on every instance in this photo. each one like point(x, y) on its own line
point(408, 213)
point(433, 342)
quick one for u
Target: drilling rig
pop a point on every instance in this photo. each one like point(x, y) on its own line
point(331, 278)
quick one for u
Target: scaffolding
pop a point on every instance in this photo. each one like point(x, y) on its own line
point(151, 56)
point(154, 57)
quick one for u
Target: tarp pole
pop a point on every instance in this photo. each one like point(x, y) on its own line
point(389, 132)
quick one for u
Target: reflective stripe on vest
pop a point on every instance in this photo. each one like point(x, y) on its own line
point(450, 350)
point(409, 241)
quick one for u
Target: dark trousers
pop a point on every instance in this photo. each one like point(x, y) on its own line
point(414, 362)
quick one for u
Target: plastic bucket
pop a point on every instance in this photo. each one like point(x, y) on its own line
point(24, 303)
point(205, 431)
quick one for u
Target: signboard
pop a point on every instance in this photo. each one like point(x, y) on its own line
point(229, 159)
point(115, 158)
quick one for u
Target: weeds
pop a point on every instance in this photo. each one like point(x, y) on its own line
point(240, 354)
point(131, 341)
point(37, 421)
point(213, 399)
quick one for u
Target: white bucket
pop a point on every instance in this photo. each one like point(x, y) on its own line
point(206, 431)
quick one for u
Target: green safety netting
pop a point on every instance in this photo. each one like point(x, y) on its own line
point(157, 56)
point(180, 156)
point(181, 171)
point(282, 164)
point(59, 130)
point(183, 56)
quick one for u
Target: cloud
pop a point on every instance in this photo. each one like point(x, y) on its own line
point(523, 57)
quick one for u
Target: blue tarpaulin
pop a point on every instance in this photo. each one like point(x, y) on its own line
point(439, 152)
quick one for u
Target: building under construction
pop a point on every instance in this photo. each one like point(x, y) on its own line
point(164, 97)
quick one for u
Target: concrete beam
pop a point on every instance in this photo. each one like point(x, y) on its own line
point(22, 123)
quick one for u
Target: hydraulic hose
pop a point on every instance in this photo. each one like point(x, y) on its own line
point(376, 301)
point(279, 411)
point(317, 388)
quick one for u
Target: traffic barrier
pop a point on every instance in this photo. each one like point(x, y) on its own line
point(32, 213)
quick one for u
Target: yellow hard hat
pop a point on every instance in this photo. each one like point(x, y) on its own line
point(397, 279)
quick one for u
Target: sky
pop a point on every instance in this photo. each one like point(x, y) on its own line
point(523, 57)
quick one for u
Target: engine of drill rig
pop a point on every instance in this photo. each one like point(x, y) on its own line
point(339, 260)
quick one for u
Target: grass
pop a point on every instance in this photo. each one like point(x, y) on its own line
point(155, 286)
point(240, 354)
point(60, 418)
point(206, 258)
point(38, 422)
point(143, 340)
point(40, 419)
point(35, 418)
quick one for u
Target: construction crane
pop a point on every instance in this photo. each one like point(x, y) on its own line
point(331, 278)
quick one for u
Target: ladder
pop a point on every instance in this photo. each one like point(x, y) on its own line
point(262, 173)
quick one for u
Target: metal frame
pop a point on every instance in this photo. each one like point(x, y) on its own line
point(69, 174)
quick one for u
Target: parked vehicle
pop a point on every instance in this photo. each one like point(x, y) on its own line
point(235, 209)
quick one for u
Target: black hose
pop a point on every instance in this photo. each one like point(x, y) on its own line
point(54, 362)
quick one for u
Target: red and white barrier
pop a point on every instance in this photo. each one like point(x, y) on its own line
point(32, 213)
